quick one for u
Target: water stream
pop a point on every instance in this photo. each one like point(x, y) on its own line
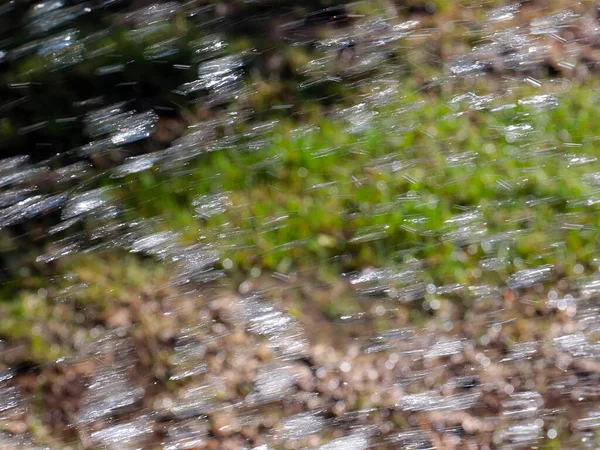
point(262, 226)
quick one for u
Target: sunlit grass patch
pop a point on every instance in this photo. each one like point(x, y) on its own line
point(331, 197)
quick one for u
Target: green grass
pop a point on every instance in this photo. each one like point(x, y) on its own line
point(333, 200)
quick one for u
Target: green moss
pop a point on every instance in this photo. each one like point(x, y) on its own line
point(303, 200)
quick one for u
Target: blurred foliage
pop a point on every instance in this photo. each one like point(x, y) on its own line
point(300, 200)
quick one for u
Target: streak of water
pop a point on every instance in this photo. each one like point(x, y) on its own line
point(443, 156)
